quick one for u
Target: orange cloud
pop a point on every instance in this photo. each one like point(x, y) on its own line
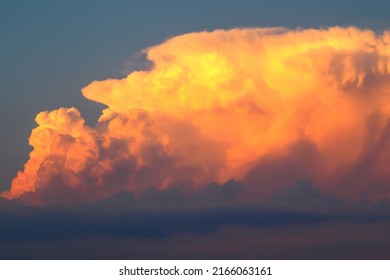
point(223, 104)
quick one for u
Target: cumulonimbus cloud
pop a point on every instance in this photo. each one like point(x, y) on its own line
point(265, 106)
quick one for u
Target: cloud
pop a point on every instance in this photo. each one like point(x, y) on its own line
point(265, 106)
point(297, 222)
point(224, 233)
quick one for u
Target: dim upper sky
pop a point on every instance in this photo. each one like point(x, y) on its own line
point(51, 49)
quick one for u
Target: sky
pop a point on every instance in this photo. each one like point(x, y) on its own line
point(126, 106)
point(50, 50)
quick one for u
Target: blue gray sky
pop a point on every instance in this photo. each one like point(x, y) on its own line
point(51, 49)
